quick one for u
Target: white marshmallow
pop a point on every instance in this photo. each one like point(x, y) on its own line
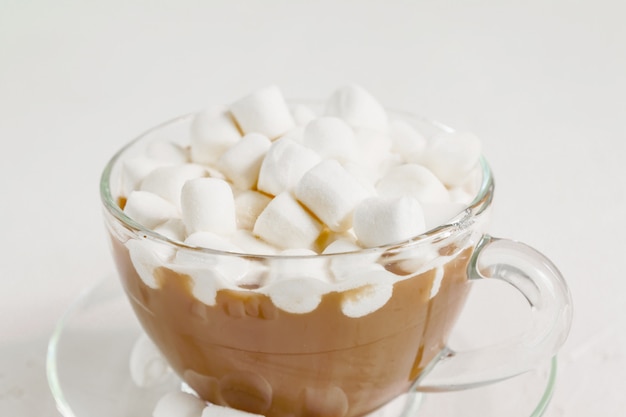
point(250, 244)
point(365, 287)
point(358, 108)
point(295, 134)
point(148, 209)
point(173, 229)
point(167, 182)
point(286, 224)
point(406, 140)
point(374, 150)
point(327, 237)
point(206, 240)
point(461, 195)
point(241, 163)
point(366, 175)
point(134, 170)
point(341, 246)
point(248, 205)
point(210, 271)
point(437, 214)
point(213, 410)
point(374, 290)
point(213, 131)
point(146, 255)
point(298, 263)
point(148, 367)
point(331, 138)
point(331, 193)
point(416, 260)
point(452, 156)
point(206, 281)
point(264, 111)
point(297, 295)
point(284, 164)
point(302, 114)
point(179, 404)
point(415, 181)
point(231, 267)
point(383, 220)
point(346, 267)
point(208, 205)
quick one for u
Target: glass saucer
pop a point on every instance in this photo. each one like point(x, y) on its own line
point(88, 370)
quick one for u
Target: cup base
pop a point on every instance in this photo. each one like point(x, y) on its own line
point(88, 371)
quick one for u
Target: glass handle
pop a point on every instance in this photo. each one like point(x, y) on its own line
point(548, 296)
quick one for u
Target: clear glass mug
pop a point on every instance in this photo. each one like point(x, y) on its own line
point(239, 347)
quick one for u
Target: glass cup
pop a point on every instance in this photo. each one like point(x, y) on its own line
point(378, 330)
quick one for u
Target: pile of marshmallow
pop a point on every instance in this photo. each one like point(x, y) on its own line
point(265, 177)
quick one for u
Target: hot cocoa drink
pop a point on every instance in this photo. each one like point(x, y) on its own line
point(294, 263)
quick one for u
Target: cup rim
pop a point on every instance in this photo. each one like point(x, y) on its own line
point(461, 221)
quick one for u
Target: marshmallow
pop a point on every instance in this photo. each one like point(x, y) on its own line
point(328, 237)
point(286, 224)
point(284, 164)
point(264, 111)
point(385, 220)
point(415, 260)
point(147, 255)
point(230, 267)
point(374, 150)
point(461, 195)
point(406, 141)
point(173, 229)
point(252, 245)
point(366, 299)
point(366, 287)
point(210, 271)
point(298, 263)
point(331, 193)
point(241, 163)
point(302, 114)
point(248, 205)
point(213, 131)
point(295, 134)
point(167, 182)
point(366, 175)
point(347, 266)
point(213, 410)
point(331, 138)
point(206, 240)
point(414, 181)
point(358, 108)
point(157, 154)
point(437, 214)
point(149, 209)
point(148, 367)
point(208, 205)
point(205, 281)
point(179, 404)
point(341, 246)
point(452, 156)
point(134, 170)
point(297, 295)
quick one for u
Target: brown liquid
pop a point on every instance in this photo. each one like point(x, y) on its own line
point(247, 354)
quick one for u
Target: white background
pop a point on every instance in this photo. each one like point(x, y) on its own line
point(543, 83)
